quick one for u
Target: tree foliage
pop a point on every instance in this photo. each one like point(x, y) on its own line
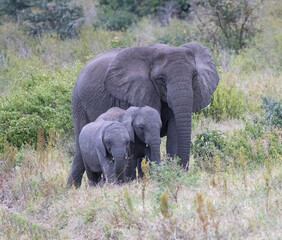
point(119, 14)
point(43, 16)
point(229, 23)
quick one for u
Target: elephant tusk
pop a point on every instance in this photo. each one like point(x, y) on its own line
point(147, 145)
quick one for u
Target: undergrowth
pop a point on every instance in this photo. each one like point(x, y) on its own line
point(168, 203)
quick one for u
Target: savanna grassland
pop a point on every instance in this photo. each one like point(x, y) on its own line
point(233, 189)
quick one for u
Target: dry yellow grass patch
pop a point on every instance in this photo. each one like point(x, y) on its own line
point(36, 205)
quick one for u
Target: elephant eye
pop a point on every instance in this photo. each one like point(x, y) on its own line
point(141, 127)
point(195, 75)
point(161, 79)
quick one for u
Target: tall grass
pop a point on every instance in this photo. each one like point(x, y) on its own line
point(195, 204)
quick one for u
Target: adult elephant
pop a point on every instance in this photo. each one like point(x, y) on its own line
point(174, 80)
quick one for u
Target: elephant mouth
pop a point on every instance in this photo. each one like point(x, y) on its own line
point(162, 89)
point(147, 150)
point(163, 93)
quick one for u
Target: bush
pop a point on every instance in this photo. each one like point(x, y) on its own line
point(176, 33)
point(207, 145)
point(240, 143)
point(273, 112)
point(255, 143)
point(119, 15)
point(169, 176)
point(119, 19)
point(264, 50)
point(58, 16)
point(226, 102)
point(228, 23)
point(45, 16)
point(39, 98)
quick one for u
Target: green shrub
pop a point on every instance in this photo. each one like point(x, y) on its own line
point(118, 19)
point(256, 143)
point(226, 102)
point(123, 40)
point(273, 111)
point(44, 16)
point(169, 176)
point(239, 142)
point(264, 50)
point(39, 98)
point(119, 15)
point(176, 33)
point(231, 24)
point(207, 145)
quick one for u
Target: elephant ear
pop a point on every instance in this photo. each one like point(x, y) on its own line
point(127, 119)
point(99, 143)
point(128, 78)
point(206, 81)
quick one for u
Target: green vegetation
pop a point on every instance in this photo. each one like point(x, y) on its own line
point(255, 143)
point(230, 23)
point(168, 203)
point(233, 186)
point(40, 98)
point(208, 147)
point(43, 16)
point(227, 102)
point(119, 15)
point(273, 112)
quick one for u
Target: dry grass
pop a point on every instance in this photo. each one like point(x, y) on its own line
point(226, 125)
point(232, 205)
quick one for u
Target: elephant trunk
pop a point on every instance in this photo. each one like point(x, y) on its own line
point(154, 155)
point(180, 100)
point(120, 165)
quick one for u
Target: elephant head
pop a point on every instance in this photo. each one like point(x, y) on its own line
point(145, 123)
point(182, 77)
point(113, 150)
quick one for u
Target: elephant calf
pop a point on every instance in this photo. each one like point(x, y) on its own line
point(143, 125)
point(104, 148)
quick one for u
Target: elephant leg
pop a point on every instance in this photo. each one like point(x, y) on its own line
point(171, 142)
point(139, 161)
point(130, 171)
point(97, 177)
point(77, 170)
point(93, 177)
point(80, 119)
point(102, 182)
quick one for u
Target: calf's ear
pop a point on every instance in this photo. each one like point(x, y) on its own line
point(127, 119)
point(100, 143)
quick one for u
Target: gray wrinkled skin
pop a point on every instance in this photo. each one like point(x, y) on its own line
point(143, 125)
point(104, 147)
point(176, 81)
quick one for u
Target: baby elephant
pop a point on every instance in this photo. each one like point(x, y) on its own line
point(104, 148)
point(143, 125)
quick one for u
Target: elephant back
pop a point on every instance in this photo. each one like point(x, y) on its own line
point(113, 114)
